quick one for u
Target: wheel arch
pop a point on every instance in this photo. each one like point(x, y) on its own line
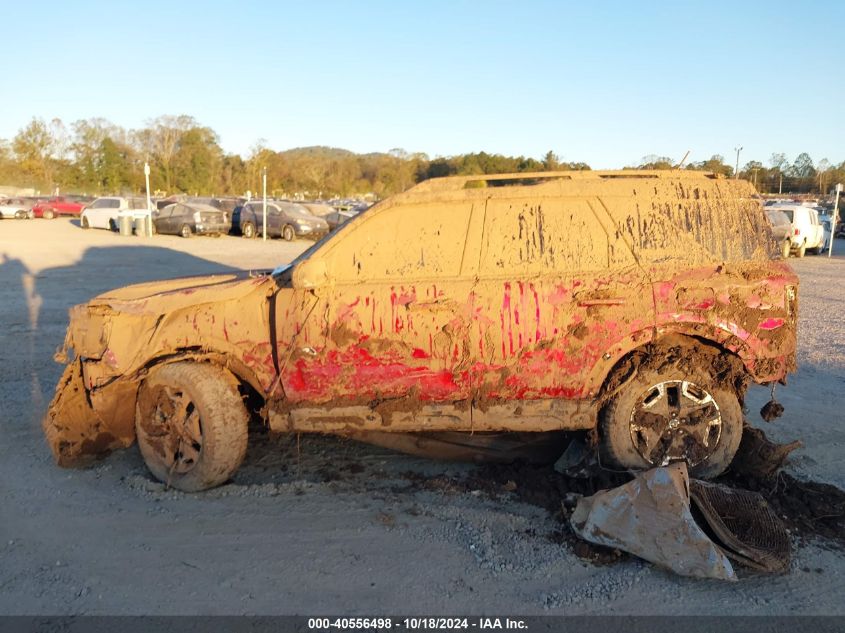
point(114, 403)
point(722, 356)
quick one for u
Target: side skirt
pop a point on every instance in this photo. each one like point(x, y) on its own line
point(515, 415)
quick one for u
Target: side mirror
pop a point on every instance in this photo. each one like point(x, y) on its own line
point(311, 273)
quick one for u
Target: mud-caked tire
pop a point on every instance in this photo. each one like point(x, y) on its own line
point(191, 425)
point(802, 250)
point(786, 249)
point(674, 412)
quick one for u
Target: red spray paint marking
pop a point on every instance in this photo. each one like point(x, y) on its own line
point(771, 324)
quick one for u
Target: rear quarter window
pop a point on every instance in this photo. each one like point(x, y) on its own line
point(664, 224)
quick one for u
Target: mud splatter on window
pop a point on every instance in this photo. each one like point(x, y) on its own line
point(422, 240)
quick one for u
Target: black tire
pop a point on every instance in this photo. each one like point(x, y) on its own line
point(633, 437)
point(786, 249)
point(288, 234)
point(191, 425)
point(802, 250)
point(84, 223)
point(48, 214)
point(112, 225)
point(185, 231)
point(248, 230)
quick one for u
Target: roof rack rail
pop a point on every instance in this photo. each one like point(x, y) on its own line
point(448, 183)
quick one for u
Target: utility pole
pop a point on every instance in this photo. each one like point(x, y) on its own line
point(756, 169)
point(780, 186)
point(736, 171)
point(148, 221)
point(264, 179)
point(834, 218)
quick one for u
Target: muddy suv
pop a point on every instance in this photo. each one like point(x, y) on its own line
point(637, 305)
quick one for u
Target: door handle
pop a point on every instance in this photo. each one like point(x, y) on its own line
point(603, 301)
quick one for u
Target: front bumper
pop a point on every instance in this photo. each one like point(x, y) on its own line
point(309, 231)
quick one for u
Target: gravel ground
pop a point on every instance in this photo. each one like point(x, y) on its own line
point(326, 525)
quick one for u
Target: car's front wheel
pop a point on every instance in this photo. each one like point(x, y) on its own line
point(288, 233)
point(185, 231)
point(674, 413)
point(191, 425)
point(48, 214)
point(248, 230)
point(85, 224)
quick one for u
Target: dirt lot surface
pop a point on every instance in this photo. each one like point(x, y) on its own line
point(329, 526)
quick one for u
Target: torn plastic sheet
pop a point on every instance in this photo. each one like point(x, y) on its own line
point(650, 518)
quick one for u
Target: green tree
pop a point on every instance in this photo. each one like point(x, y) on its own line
point(196, 162)
point(33, 147)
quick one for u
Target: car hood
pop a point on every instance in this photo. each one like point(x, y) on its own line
point(161, 297)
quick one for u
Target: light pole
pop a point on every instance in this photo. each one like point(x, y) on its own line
point(264, 221)
point(148, 221)
point(736, 170)
point(834, 219)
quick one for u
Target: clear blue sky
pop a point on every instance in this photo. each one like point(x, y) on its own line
point(606, 83)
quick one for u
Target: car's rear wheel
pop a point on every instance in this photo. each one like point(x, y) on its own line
point(675, 413)
point(191, 425)
point(288, 234)
point(185, 231)
point(112, 225)
point(786, 249)
point(802, 250)
point(48, 214)
point(248, 230)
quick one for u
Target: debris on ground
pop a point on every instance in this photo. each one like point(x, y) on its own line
point(758, 456)
point(650, 517)
point(578, 460)
point(743, 526)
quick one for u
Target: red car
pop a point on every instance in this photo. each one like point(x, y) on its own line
point(59, 205)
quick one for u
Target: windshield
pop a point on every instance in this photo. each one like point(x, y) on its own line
point(298, 211)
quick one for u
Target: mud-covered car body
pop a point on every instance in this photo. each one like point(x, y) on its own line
point(503, 304)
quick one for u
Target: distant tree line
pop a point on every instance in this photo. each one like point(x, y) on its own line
point(95, 156)
point(778, 176)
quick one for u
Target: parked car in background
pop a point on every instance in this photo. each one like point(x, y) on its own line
point(60, 206)
point(781, 230)
point(189, 218)
point(807, 231)
point(340, 216)
point(15, 208)
point(104, 212)
point(320, 209)
point(287, 220)
point(828, 234)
